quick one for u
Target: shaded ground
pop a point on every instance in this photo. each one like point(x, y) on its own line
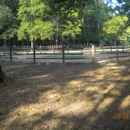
point(71, 96)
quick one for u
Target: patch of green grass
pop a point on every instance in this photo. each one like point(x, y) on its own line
point(1, 54)
point(66, 56)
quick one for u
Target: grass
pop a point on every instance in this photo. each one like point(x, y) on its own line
point(3, 54)
point(66, 56)
point(70, 96)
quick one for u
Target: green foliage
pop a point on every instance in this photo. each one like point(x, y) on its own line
point(89, 20)
point(67, 20)
point(8, 24)
point(94, 17)
point(35, 20)
point(126, 36)
point(124, 9)
point(71, 25)
point(5, 17)
point(116, 25)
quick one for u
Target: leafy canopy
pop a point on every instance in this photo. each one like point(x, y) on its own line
point(8, 24)
point(116, 25)
point(35, 20)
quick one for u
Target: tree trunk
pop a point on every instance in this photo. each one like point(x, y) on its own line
point(74, 42)
point(10, 50)
point(3, 77)
point(101, 43)
point(22, 43)
point(5, 43)
point(31, 44)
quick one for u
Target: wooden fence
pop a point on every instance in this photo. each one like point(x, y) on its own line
point(95, 51)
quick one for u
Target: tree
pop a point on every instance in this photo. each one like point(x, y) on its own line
point(67, 20)
point(3, 77)
point(8, 18)
point(116, 26)
point(124, 8)
point(94, 15)
point(8, 26)
point(35, 20)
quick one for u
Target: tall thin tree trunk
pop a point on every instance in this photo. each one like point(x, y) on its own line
point(56, 40)
point(74, 42)
point(101, 43)
point(57, 29)
point(31, 44)
point(10, 51)
point(98, 26)
point(63, 50)
point(3, 2)
point(5, 43)
point(22, 42)
point(60, 40)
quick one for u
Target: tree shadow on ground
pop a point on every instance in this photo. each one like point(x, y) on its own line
point(66, 96)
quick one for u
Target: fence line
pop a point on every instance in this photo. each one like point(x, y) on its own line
point(94, 51)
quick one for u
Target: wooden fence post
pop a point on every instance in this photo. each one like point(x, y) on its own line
point(4, 50)
point(63, 54)
point(123, 47)
point(111, 48)
point(34, 52)
point(40, 48)
point(27, 49)
point(117, 53)
point(92, 53)
point(10, 51)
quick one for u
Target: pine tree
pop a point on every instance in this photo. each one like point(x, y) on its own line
point(36, 23)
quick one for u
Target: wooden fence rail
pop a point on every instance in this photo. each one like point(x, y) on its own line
point(94, 51)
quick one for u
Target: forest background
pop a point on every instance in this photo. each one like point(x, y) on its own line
point(53, 22)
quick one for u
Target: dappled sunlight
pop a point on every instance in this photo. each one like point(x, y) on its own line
point(115, 92)
point(93, 88)
point(75, 83)
point(24, 114)
point(125, 103)
point(40, 76)
point(109, 87)
point(20, 92)
point(64, 97)
point(117, 67)
point(104, 104)
point(73, 108)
